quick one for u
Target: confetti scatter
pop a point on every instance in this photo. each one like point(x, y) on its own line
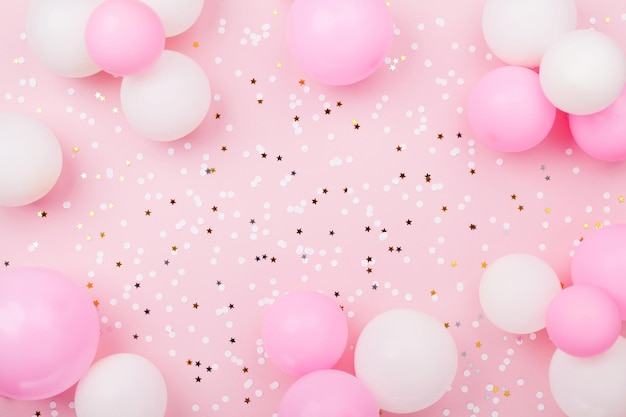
point(377, 194)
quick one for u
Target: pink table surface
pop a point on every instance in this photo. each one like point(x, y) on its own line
point(309, 204)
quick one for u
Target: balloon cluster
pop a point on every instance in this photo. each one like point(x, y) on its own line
point(520, 293)
point(404, 359)
point(165, 95)
point(43, 310)
point(580, 72)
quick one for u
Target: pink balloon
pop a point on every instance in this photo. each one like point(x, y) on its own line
point(328, 393)
point(508, 111)
point(599, 261)
point(583, 321)
point(602, 135)
point(339, 42)
point(124, 37)
point(304, 331)
point(49, 333)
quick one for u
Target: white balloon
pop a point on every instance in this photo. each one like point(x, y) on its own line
point(121, 385)
point(515, 292)
point(55, 32)
point(407, 359)
point(520, 31)
point(169, 100)
point(176, 15)
point(593, 386)
point(30, 159)
point(583, 72)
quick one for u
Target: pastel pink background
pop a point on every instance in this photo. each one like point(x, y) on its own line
point(412, 122)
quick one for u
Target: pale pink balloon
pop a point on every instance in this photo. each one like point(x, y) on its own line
point(304, 331)
point(599, 261)
point(508, 110)
point(602, 135)
point(583, 321)
point(328, 393)
point(124, 37)
point(339, 42)
point(49, 333)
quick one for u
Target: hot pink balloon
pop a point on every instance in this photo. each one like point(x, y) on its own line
point(49, 333)
point(599, 261)
point(124, 37)
point(602, 135)
point(304, 331)
point(508, 110)
point(328, 393)
point(583, 321)
point(339, 42)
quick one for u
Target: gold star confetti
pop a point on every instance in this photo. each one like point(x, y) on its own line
point(75, 149)
point(275, 12)
point(586, 226)
point(88, 238)
point(279, 64)
point(446, 325)
point(598, 225)
point(483, 265)
point(195, 44)
point(302, 82)
point(402, 57)
point(507, 393)
point(92, 213)
point(453, 264)
point(90, 285)
point(118, 264)
point(102, 235)
point(520, 207)
point(42, 214)
point(98, 176)
point(96, 303)
point(433, 292)
point(127, 163)
point(174, 248)
point(607, 20)
point(620, 198)
point(224, 148)
point(478, 344)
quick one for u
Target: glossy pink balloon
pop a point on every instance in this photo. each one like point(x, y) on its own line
point(339, 42)
point(602, 135)
point(124, 37)
point(508, 111)
point(49, 333)
point(304, 331)
point(328, 393)
point(583, 321)
point(599, 261)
